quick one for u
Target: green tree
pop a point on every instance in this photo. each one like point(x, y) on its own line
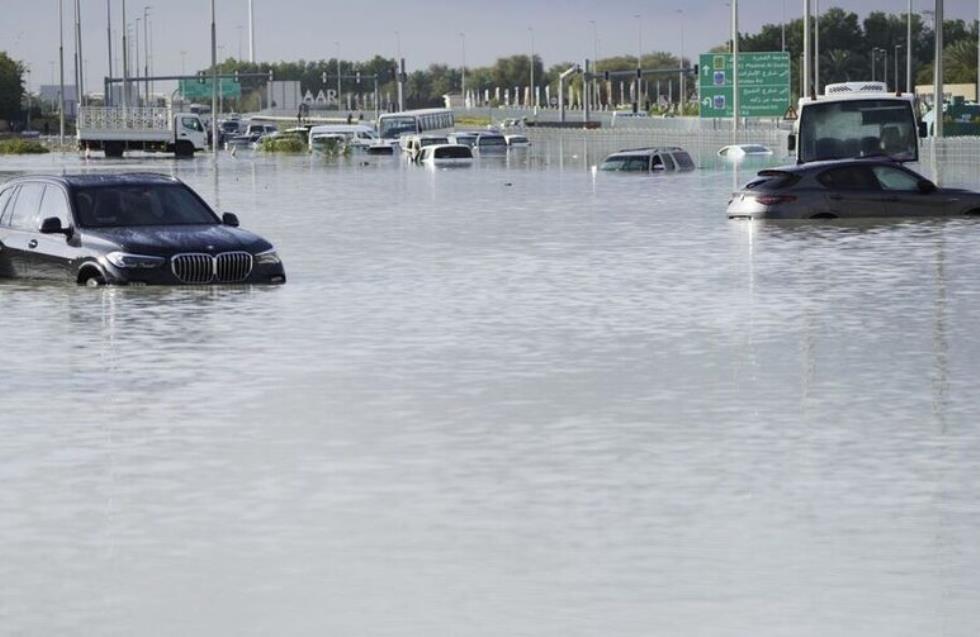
point(11, 87)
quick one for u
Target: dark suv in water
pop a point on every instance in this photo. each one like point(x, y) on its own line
point(125, 229)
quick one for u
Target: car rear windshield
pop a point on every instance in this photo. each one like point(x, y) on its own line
point(140, 205)
point(492, 141)
point(684, 161)
point(772, 180)
point(453, 152)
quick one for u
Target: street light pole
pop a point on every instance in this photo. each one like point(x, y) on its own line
point(683, 99)
point(463, 76)
point(595, 62)
point(125, 53)
point(78, 35)
point(251, 31)
point(816, 47)
point(938, 75)
point(807, 59)
point(639, 62)
point(898, 85)
point(214, 88)
point(533, 102)
point(735, 87)
point(108, 29)
point(908, 52)
point(146, 52)
point(61, 72)
point(874, 61)
point(338, 74)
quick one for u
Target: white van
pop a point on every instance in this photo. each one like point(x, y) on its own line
point(357, 136)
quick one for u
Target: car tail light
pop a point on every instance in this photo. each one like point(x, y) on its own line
point(773, 200)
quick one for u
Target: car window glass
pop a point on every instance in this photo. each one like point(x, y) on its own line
point(896, 179)
point(657, 163)
point(54, 204)
point(684, 161)
point(849, 178)
point(637, 164)
point(25, 208)
point(5, 198)
point(191, 123)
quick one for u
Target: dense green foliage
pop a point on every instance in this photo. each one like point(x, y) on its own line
point(21, 147)
point(11, 87)
point(846, 45)
point(282, 144)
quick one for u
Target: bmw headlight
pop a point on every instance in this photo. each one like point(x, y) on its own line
point(269, 257)
point(134, 261)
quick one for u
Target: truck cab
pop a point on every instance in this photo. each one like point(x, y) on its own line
point(857, 119)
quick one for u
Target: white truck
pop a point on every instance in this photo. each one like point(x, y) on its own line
point(116, 129)
point(857, 119)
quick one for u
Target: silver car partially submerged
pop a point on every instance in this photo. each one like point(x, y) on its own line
point(848, 189)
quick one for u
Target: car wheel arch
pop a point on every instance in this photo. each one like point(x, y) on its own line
point(90, 270)
point(824, 215)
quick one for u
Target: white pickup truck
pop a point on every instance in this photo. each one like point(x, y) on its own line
point(116, 129)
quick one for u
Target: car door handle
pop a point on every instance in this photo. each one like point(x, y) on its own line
point(32, 244)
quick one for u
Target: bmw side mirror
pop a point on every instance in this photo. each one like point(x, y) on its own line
point(926, 187)
point(52, 225)
point(230, 219)
point(791, 143)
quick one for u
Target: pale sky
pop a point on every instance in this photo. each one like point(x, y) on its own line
point(429, 30)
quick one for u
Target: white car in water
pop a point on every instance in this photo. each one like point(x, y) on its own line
point(446, 155)
point(741, 151)
point(517, 141)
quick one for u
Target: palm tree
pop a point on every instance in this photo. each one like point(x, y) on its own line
point(960, 60)
point(839, 65)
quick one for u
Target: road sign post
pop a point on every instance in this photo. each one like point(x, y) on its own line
point(764, 84)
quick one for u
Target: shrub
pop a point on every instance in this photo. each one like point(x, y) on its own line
point(21, 147)
point(285, 144)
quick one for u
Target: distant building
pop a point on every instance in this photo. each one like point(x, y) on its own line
point(950, 91)
point(49, 95)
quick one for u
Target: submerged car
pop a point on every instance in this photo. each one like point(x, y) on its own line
point(517, 141)
point(850, 189)
point(446, 155)
point(741, 151)
point(648, 160)
point(125, 229)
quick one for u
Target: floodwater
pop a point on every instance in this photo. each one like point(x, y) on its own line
point(505, 400)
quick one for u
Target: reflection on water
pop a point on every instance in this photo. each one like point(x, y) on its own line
point(514, 399)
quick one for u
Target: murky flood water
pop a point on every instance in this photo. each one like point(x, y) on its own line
point(504, 400)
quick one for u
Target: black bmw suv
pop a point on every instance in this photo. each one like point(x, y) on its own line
point(125, 229)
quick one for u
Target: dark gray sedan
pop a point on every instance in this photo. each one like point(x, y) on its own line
point(849, 189)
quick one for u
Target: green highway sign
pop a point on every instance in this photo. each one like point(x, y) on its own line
point(763, 79)
point(196, 89)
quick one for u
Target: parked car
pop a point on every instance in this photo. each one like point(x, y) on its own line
point(848, 189)
point(125, 229)
point(446, 155)
point(467, 138)
point(412, 145)
point(741, 151)
point(517, 141)
point(649, 160)
point(490, 142)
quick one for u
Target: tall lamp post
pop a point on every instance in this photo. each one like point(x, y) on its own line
point(533, 102)
point(595, 61)
point(908, 52)
point(61, 73)
point(898, 84)
point(683, 98)
point(338, 74)
point(874, 61)
point(735, 86)
point(214, 88)
point(462, 37)
point(146, 52)
point(639, 62)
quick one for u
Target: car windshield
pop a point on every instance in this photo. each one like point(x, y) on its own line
point(613, 163)
point(858, 128)
point(142, 205)
point(392, 127)
point(492, 141)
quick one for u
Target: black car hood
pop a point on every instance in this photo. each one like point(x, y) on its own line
point(168, 240)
